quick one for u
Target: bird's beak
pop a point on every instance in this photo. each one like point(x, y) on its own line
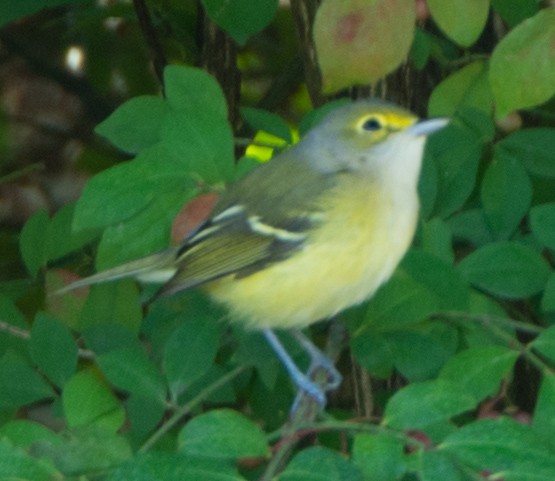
point(427, 127)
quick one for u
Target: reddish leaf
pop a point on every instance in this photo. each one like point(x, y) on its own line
point(360, 41)
point(192, 214)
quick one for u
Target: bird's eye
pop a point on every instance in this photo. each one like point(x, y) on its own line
point(372, 124)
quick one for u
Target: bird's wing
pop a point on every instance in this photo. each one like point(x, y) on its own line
point(247, 232)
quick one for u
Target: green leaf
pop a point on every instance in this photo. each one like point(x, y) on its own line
point(11, 318)
point(374, 351)
point(359, 42)
point(259, 119)
point(196, 131)
point(130, 369)
point(24, 433)
point(515, 11)
point(20, 384)
point(389, 335)
point(506, 193)
point(53, 349)
point(548, 298)
point(194, 92)
point(543, 421)
point(16, 465)
point(165, 466)
point(418, 353)
point(436, 466)
point(146, 232)
point(506, 269)
point(478, 122)
point(380, 457)
point(503, 448)
point(129, 187)
point(88, 449)
point(545, 343)
point(223, 395)
point(190, 352)
point(477, 334)
point(439, 277)
point(428, 183)
point(461, 20)
point(196, 141)
point(467, 87)
point(422, 404)
point(424, 284)
point(320, 464)
point(61, 239)
point(467, 369)
point(135, 125)
point(400, 302)
point(31, 244)
point(241, 18)
point(542, 222)
point(437, 239)
point(223, 434)
point(522, 72)
point(253, 350)
point(144, 413)
point(112, 303)
point(535, 148)
point(470, 225)
point(421, 48)
point(87, 400)
point(203, 143)
point(456, 152)
point(103, 338)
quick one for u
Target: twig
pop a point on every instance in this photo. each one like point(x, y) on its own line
point(145, 21)
point(30, 169)
point(489, 320)
point(26, 334)
point(188, 407)
point(14, 330)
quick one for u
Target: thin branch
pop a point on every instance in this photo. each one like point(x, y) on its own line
point(14, 330)
point(489, 320)
point(498, 326)
point(184, 410)
point(145, 21)
point(304, 12)
point(26, 334)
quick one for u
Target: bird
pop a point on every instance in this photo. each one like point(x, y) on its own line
point(315, 230)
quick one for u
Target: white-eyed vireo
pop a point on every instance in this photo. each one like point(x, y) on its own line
point(317, 229)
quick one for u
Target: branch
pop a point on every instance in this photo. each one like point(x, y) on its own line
point(26, 334)
point(149, 32)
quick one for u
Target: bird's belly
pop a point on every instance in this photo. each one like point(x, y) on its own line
point(342, 264)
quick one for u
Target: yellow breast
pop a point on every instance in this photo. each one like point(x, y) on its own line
point(355, 249)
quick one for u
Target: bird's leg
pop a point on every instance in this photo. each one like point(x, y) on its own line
point(301, 380)
point(318, 360)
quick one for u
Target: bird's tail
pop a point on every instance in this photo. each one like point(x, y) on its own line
point(155, 268)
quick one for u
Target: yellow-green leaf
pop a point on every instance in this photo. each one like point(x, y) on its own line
point(360, 41)
point(522, 71)
point(461, 20)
